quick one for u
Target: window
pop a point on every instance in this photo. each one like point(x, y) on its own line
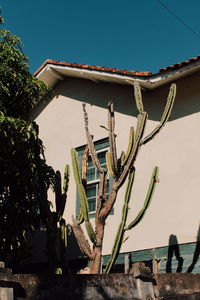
point(93, 176)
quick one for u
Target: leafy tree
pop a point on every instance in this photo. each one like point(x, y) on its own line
point(24, 175)
point(20, 91)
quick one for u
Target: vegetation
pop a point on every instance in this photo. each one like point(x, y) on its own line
point(56, 235)
point(20, 91)
point(22, 170)
point(119, 169)
point(24, 175)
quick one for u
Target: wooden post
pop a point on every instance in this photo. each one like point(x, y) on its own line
point(101, 269)
point(126, 264)
point(6, 293)
point(155, 268)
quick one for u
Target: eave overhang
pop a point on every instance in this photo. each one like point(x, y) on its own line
point(51, 72)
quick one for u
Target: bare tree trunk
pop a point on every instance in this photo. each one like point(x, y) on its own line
point(95, 264)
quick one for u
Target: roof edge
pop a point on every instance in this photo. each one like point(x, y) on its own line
point(91, 67)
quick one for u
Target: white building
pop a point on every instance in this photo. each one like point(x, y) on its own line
point(173, 215)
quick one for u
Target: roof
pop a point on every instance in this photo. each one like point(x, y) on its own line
point(181, 64)
point(52, 71)
point(89, 67)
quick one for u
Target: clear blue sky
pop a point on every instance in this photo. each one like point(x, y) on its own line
point(136, 35)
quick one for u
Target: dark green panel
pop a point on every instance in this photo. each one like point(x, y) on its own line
point(176, 258)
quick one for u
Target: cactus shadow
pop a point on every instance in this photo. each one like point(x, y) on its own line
point(100, 93)
point(173, 250)
point(196, 253)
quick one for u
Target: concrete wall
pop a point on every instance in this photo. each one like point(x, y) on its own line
point(99, 287)
point(175, 206)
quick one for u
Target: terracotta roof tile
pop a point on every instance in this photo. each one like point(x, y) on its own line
point(95, 68)
point(179, 65)
point(173, 67)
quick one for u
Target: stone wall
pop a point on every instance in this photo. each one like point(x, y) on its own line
point(111, 286)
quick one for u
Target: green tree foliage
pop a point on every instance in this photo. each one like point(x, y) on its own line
point(22, 172)
point(24, 175)
point(20, 91)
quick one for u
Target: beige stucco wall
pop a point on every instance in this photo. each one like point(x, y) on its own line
point(175, 206)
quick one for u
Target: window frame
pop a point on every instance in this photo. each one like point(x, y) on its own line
point(97, 180)
point(101, 145)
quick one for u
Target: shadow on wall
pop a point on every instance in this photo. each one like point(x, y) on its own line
point(100, 93)
point(173, 250)
point(190, 256)
point(75, 257)
point(196, 253)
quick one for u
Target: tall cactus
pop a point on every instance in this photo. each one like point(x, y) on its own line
point(61, 198)
point(82, 194)
point(122, 227)
point(54, 218)
point(119, 169)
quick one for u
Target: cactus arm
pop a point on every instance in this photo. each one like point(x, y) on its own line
point(154, 180)
point(130, 146)
point(63, 233)
point(109, 164)
point(165, 115)
point(81, 239)
point(140, 131)
point(139, 127)
point(63, 197)
point(75, 166)
point(117, 183)
point(115, 249)
point(90, 232)
point(101, 194)
point(80, 218)
point(85, 165)
point(100, 203)
point(83, 199)
point(112, 142)
point(169, 104)
point(120, 162)
point(58, 193)
point(138, 97)
point(102, 186)
point(120, 232)
point(85, 212)
point(66, 179)
point(62, 205)
point(84, 169)
point(92, 150)
point(84, 202)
